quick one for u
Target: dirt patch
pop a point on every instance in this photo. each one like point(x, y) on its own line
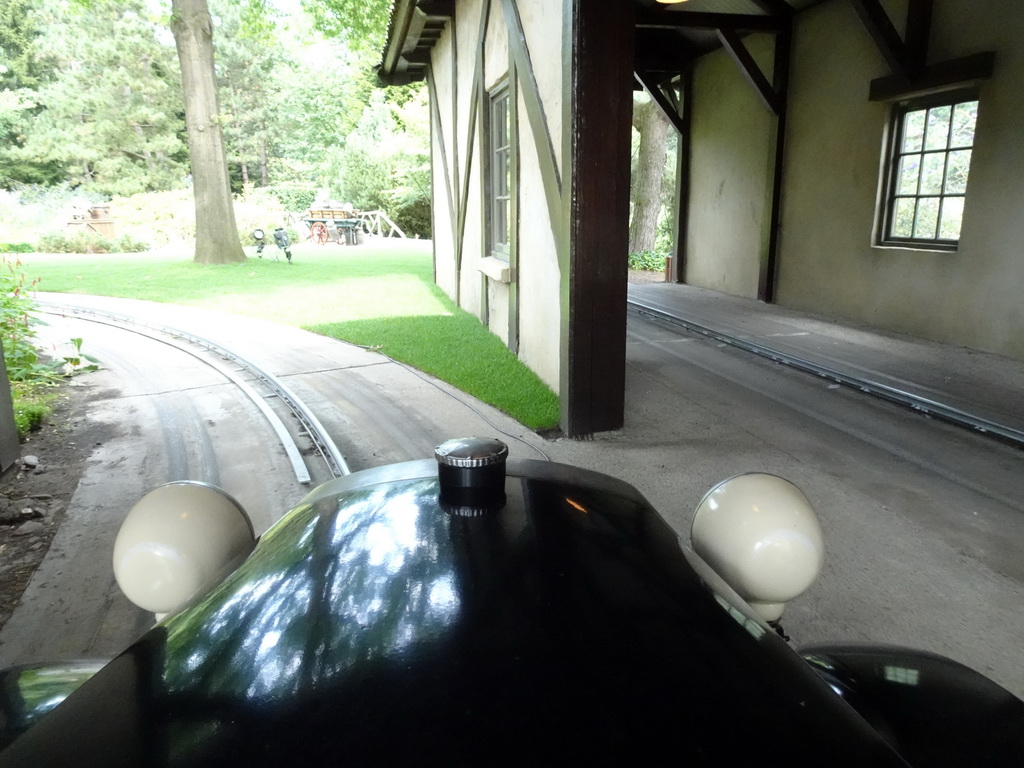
point(36, 491)
point(643, 276)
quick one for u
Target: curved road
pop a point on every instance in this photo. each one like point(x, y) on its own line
point(923, 521)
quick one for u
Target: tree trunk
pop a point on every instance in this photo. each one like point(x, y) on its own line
point(653, 129)
point(264, 170)
point(216, 231)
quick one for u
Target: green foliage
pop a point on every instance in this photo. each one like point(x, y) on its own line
point(20, 75)
point(249, 67)
point(77, 361)
point(385, 163)
point(16, 321)
point(260, 208)
point(157, 217)
point(649, 261)
point(358, 23)
point(31, 405)
point(89, 242)
point(16, 248)
point(378, 294)
point(294, 199)
point(110, 113)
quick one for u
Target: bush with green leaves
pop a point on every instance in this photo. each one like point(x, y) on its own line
point(89, 242)
point(16, 248)
point(649, 261)
point(293, 199)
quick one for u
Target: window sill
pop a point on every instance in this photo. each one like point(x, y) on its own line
point(496, 269)
point(923, 248)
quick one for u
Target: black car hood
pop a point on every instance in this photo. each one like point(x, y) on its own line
point(372, 627)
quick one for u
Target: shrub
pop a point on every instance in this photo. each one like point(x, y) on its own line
point(16, 248)
point(414, 219)
point(294, 199)
point(649, 261)
point(129, 244)
point(84, 241)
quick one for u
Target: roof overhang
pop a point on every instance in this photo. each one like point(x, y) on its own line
point(414, 27)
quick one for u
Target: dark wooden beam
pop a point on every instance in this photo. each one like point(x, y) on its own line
point(734, 45)
point(437, 8)
point(768, 276)
point(886, 38)
point(918, 33)
point(593, 374)
point(420, 56)
point(519, 52)
point(775, 7)
point(667, 107)
point(663, 51)
point(653, 19)
point(682, 222)
point(943, 75)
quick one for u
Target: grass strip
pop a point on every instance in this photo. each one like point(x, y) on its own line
point(377, 295)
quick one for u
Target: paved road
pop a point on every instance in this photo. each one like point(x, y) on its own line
point(922, 520)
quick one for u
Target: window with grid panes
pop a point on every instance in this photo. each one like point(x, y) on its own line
point(500, 173)
point(929, 161)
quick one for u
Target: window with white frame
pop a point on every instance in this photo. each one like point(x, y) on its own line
point(500, 175)
point(929, 159)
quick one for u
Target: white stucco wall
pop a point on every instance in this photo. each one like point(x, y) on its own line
point(827, 260)
point(539, 278)
point(442, 136)
point(537, 272)
point(729, 174)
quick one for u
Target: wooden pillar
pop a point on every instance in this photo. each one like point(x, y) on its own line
point(597, 206)
point(768, 276)
point(684, 156)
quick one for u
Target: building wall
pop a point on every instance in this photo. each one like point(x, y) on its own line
point(526, 313)
point(728, 175)
point(442, 146)
point(827, 261)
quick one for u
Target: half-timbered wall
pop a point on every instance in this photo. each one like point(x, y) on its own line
point(471, 59)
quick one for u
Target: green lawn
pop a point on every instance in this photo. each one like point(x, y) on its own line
point(379, 295)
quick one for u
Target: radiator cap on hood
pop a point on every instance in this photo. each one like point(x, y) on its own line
point(471, 471)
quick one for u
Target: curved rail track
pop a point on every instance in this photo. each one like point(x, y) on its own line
point(273, 387)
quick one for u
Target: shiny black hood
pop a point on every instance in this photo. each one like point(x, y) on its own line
point(373, 627)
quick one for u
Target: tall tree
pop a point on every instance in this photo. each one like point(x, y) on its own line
point(110, 113)
point(251, 66)
point(653, 127)
point(20, 75)
point(216, 231)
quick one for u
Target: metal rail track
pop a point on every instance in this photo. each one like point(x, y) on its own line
point(877, 389)
point(316, 432)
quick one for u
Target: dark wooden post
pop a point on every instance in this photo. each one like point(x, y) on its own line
point(594, 288)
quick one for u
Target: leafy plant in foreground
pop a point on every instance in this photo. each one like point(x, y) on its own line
point(16, 331)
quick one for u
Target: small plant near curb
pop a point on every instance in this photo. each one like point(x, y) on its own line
point(78, 361)
point(648, 261)
point(32, 401)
